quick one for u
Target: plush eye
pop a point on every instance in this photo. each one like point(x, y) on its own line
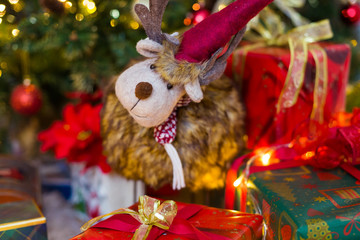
point(152, 66)
point(169, 86)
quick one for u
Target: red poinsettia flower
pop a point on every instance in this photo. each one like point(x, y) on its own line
point(77, 138)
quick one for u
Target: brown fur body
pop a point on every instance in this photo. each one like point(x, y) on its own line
point(209, 135)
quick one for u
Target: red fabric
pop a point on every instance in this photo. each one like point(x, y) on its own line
point(202, 223)
point(263, 79)
point(201, 41)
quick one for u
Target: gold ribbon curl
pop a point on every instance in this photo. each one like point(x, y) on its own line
point(150, 213)
point(267, 29)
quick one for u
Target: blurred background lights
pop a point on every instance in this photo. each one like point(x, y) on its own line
point(187, 21)
point(90, 5)
point(33, 20)
point(196, 7)
point(68, 4)
point(18, 7)
point(15, 32)
point(134, 25)
point(115, 13)
point(354, 42)
point(10, 18)
point(13, 1)
point(79, 17)
point(2, 10)
point(113, 22)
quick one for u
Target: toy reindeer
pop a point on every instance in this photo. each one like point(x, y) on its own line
point(164, 97)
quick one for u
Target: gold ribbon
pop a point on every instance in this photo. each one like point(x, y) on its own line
point(268, 30)
point(150, 213)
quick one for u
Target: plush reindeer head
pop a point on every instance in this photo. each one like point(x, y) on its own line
point(148, 97)
point(150, 90)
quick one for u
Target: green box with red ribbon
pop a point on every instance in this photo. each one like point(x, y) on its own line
point(305, 203)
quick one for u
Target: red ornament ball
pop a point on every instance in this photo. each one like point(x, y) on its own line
point(26, 99)
point(351, 13)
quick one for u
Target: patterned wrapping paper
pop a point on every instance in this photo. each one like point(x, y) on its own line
point(307, 203)
point(18, 181)
point(228, 223)
point(262, 81)
point(22, 220)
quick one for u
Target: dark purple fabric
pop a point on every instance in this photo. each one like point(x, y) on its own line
point(201, 41)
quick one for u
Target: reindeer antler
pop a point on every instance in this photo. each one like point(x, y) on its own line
point(151, 18)
point(215, 66)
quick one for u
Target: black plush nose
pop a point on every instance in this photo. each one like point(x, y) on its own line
point(143, 90)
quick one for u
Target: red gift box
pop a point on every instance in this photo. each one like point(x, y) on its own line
point(212, 223)
point(262, 80)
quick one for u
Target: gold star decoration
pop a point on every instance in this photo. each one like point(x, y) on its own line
point(320, 199)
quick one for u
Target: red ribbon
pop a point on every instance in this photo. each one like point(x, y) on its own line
point(181, 225)
point(348, 228)
point(328, 148)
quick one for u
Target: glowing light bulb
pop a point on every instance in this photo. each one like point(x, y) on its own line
point(238, 181)
point(265, 159)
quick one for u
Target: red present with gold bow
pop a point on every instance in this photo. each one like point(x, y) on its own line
point(170, 220)
point(282, 87)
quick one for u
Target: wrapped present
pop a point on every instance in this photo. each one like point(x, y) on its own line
point(171, 220)
point(306, 203)
point(22, 220)
point(308, 189)
point(19, 180)
point(283, 87)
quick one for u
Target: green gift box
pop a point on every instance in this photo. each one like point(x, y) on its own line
point(306, 203)
point(22, 220)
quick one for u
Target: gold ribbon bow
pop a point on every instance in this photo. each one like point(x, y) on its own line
point(268, 30)
point(150, 213)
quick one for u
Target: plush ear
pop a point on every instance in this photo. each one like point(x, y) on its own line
point(194, 91)
point(173, 38)
point(148, 48)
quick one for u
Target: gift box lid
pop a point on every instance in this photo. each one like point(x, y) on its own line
point(20, 214)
